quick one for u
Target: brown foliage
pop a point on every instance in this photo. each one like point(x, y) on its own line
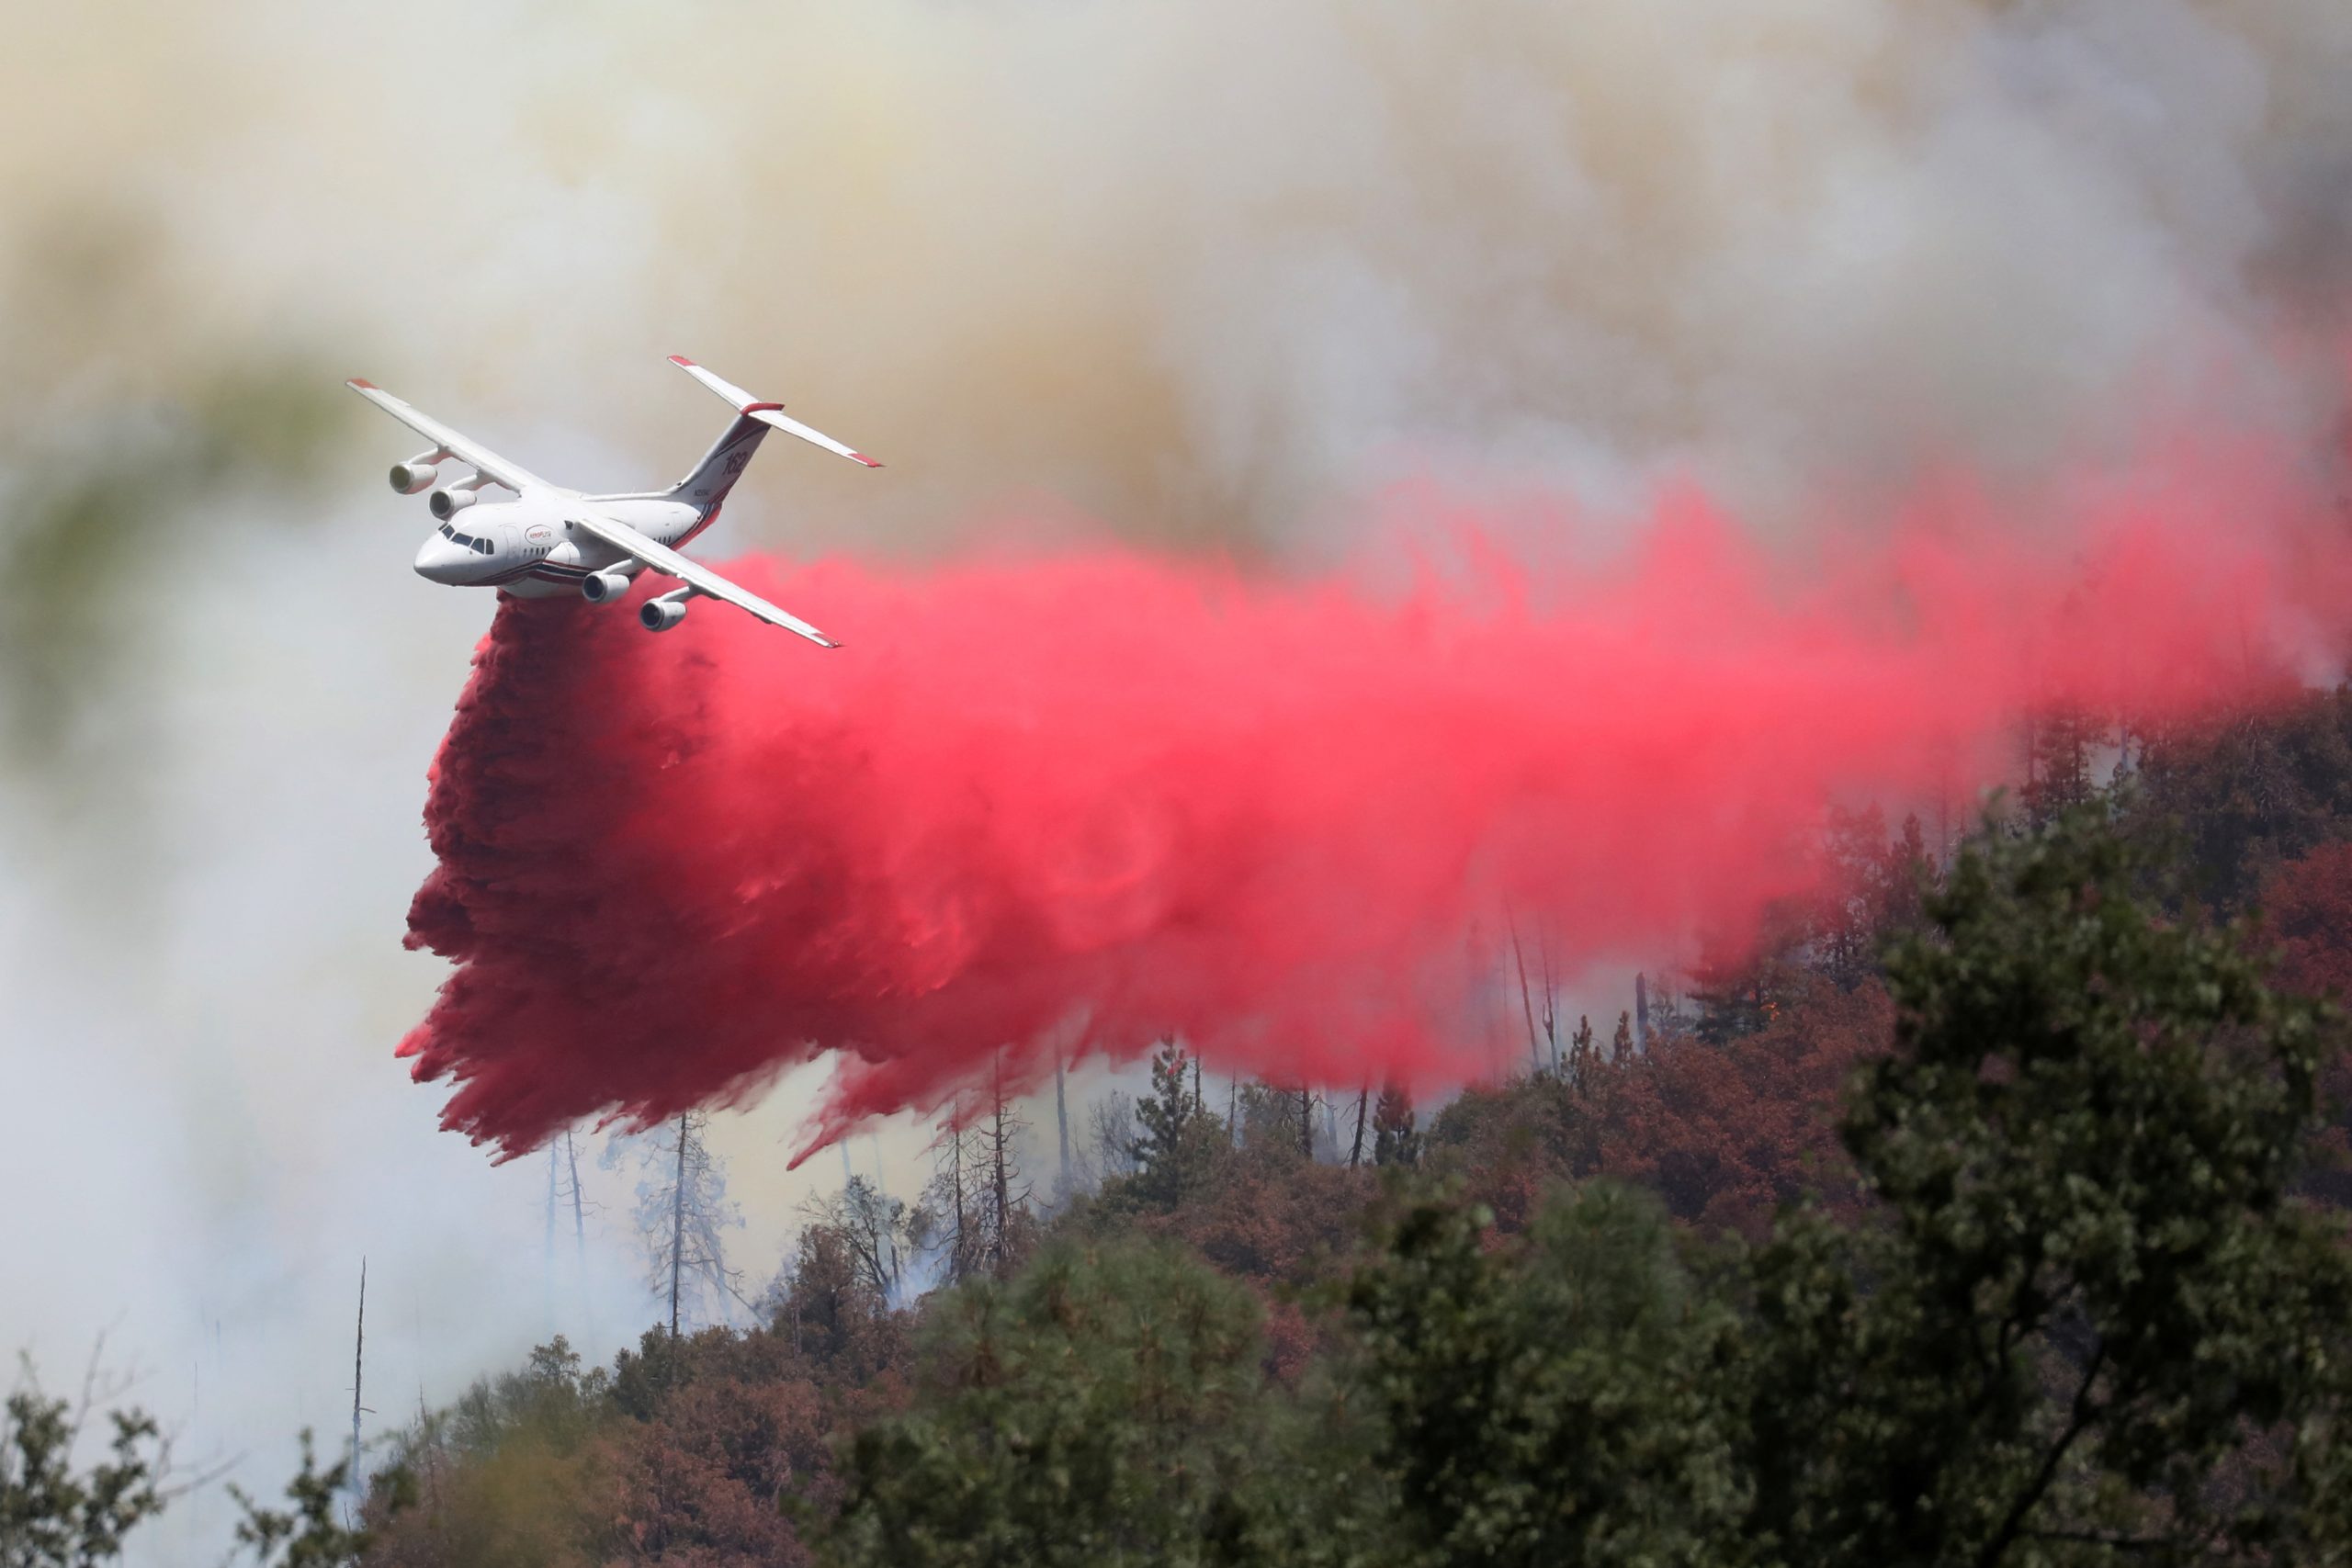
point(1728, 1133)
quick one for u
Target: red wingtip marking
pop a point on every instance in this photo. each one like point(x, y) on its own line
point(363, 384)
point(681, 359)
point(865, 459)
point(761, 408)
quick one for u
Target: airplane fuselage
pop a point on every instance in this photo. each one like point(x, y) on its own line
point(529, 547)
point(549, 541)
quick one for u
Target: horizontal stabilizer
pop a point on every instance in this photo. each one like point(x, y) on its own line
point(768, 413)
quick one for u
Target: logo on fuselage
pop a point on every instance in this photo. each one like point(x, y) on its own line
point(538, 533)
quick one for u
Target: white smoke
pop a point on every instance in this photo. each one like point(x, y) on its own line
point(1202, 273)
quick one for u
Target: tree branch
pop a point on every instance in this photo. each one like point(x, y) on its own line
point(2078, 1421)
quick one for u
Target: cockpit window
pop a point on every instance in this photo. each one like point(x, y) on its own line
point(448, 532)
point(482, 544)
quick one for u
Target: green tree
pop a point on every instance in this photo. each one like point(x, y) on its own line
point(309, 1535)
point(2095, 1327)
point(53, 1514)
point(1567, 1398)
point(1396, 1136)
point(1100, 1408)
point(1180, 1145)
point(2059, 744)
point(1584, 1058)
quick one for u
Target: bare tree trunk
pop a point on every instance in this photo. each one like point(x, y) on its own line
point(579, 1232)
point(358, 1346)
point(1526, 1005)
point(1641, 1012)
point(959, 1255)
point(579, 1218)
point(1355, 1154)
point(1307, 1124)
point(1061, 1120)
point(882, 1190)
point(549, 1259)
point(996, 1162)
point(678, 1229)
point(1551, 1001)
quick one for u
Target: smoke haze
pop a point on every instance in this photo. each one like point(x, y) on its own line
point(1207, 280)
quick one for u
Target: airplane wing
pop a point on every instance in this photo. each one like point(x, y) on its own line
point(513, 476)
point(693, 574)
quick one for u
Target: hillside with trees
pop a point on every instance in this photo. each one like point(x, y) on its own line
point(1991, 1211)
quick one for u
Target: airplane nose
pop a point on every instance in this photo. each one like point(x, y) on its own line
point(439, 561)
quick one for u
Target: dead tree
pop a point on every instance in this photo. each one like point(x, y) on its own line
point(564, 1189)
point(1007, 1209)
point(1110, 1127)
point(875, 1227)
point(1551, 1014)
point(953, 1233)
point(681, 1211)
point(358, 1346)
point(1355, 1154)
point(1061, 1123)
point(1526, 1002)
point(579, 1205)
point(678, 1225)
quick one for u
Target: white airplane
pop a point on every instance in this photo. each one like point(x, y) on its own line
point(549, 540)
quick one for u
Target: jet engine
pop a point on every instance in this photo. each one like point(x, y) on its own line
point(414, 478)
point(603, 587)
point(660, 614)
point(446, 504)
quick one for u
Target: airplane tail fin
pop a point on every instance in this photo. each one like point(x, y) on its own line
point(715, 474)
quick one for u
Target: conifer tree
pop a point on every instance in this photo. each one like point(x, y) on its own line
point(1179, 1143)
point(1396, 1138)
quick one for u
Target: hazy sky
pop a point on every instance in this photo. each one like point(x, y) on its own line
point(1206, 274)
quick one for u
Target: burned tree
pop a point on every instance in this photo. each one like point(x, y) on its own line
point(1006, 1196)
point(978, 1215)
point(682, 1211)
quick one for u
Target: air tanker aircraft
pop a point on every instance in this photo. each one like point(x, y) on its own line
point(549, 540)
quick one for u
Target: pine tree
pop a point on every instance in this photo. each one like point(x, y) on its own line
point(1395, 1140)
point(1180, 1141)
point(1583, 1054)
point(1621, 1046)
point(2059, 743)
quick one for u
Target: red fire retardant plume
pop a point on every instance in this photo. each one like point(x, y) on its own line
point(1144, 797)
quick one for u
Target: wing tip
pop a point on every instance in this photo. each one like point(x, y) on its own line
point(865, 459)
point(683, 363)
point(361, 384)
